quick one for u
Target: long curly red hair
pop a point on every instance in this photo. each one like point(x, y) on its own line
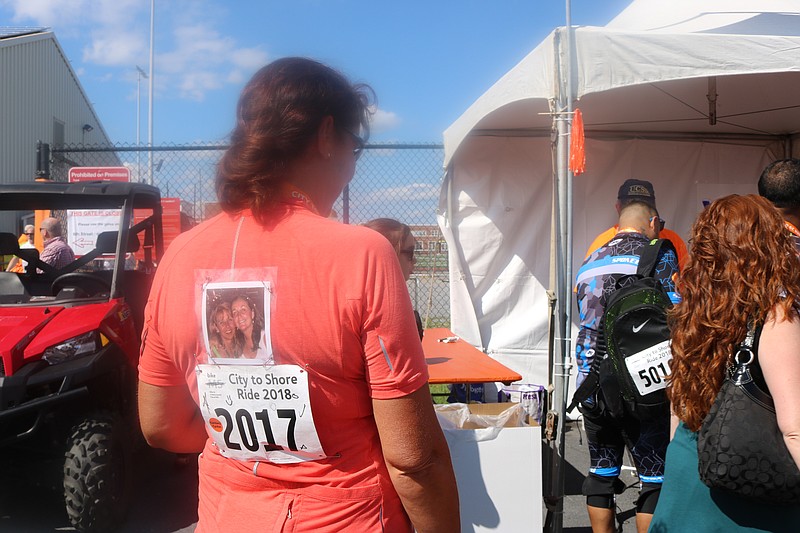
point(742, 264)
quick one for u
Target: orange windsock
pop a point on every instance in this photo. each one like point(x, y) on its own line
point(577, 145)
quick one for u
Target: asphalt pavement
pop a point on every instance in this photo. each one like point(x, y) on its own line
point(165, 494)
point(575, 518)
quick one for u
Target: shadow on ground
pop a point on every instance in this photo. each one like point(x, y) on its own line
point(164, 496)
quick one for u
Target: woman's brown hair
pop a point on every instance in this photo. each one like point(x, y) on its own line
point(278, 115)
point(395, 231)
point(742, 264)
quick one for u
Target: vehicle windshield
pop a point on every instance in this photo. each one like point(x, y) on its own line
point(69, 255)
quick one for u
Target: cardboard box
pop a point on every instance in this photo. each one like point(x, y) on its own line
point(498, 470)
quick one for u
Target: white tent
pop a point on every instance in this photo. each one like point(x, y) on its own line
point(695, 96)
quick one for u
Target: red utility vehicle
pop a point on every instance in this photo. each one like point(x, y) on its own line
point(69, 338)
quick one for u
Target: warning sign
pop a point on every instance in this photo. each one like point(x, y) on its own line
point(99, 173)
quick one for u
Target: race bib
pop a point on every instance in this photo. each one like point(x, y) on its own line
point(649, 367)
point(259, 413)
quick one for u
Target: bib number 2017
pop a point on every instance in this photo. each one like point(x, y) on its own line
point(247, 429)
point(259, 413)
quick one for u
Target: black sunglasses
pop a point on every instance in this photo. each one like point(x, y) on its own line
point(661, 222)
point(408, 253)
point(360, 143)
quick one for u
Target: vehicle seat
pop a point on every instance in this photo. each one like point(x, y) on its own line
point(12, 289)
point(8, 244)
point(107, 242)
point(136, 286)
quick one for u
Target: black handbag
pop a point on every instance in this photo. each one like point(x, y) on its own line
point(739, 446)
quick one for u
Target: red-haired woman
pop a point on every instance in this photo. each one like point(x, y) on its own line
point(742, 266)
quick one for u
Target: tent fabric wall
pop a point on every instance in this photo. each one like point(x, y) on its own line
point(495, 273)
point(695, 96)
point(498, 223)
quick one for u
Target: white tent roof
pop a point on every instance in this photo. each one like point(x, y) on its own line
point(657, 58)
point(642, 84)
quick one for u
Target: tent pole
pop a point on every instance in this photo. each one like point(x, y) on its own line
point(563, 345)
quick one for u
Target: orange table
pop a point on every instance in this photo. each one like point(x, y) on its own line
point(460, 362)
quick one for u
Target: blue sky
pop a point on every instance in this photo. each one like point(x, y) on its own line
point(426, 60)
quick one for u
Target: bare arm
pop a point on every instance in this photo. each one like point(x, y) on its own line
point(673, 424)
point(418, 460)
point(170, 419)
point(778, 355)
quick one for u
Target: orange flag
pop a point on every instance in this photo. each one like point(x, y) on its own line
point(577, 145)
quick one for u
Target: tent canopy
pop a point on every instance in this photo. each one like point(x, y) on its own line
point(696, 97)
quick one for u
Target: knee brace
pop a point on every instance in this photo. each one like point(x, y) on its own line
point(648, 498)
point(600, 490)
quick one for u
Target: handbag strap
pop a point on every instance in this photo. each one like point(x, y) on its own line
point(750, 338)
point(741, 377)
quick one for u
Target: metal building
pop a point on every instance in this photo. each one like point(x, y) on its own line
point(41, 99)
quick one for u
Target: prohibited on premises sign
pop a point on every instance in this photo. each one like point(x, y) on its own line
point(99, 173)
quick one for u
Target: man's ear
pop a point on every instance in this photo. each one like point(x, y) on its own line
point(653, 225)
point(326, 137)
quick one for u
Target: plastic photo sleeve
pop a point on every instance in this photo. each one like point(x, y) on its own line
point(236, 322)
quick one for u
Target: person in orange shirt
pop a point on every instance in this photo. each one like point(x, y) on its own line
point(639, 191)
point(25, 241)
point(339, 434)
point(780, 184)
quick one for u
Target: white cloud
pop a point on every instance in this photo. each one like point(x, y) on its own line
point(384, 121)
point(45, 12)
point(203, 60)
point(405, 193)
point(248, 58)
point(122, 49)
point(194, 85)
point(197, 59)
point(107, 23)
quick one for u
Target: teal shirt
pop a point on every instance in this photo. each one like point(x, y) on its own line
point(687, 505)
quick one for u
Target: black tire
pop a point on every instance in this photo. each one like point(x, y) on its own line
point(96, 475)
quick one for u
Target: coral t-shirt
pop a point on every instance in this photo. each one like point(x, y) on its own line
point(332, 304)
point(677, 242)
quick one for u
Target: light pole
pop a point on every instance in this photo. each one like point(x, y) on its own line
point(139, 75)
point(150, 99)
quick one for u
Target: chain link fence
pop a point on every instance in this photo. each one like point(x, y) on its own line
point(399, 181)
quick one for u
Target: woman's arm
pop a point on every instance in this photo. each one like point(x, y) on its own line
point(673, 424)
point(418, 460)
point(170, 418)
point(779, 355)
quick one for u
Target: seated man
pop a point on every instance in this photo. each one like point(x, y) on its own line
point(57, 252)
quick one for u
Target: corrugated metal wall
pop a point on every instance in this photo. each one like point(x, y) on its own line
point(38, 87)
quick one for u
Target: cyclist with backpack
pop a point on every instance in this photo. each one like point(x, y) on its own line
point(612, 417)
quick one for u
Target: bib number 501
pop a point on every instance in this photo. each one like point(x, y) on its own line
point(653, 375)
point(649, 367)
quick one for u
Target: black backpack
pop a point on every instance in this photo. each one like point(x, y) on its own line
point(633, 353)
